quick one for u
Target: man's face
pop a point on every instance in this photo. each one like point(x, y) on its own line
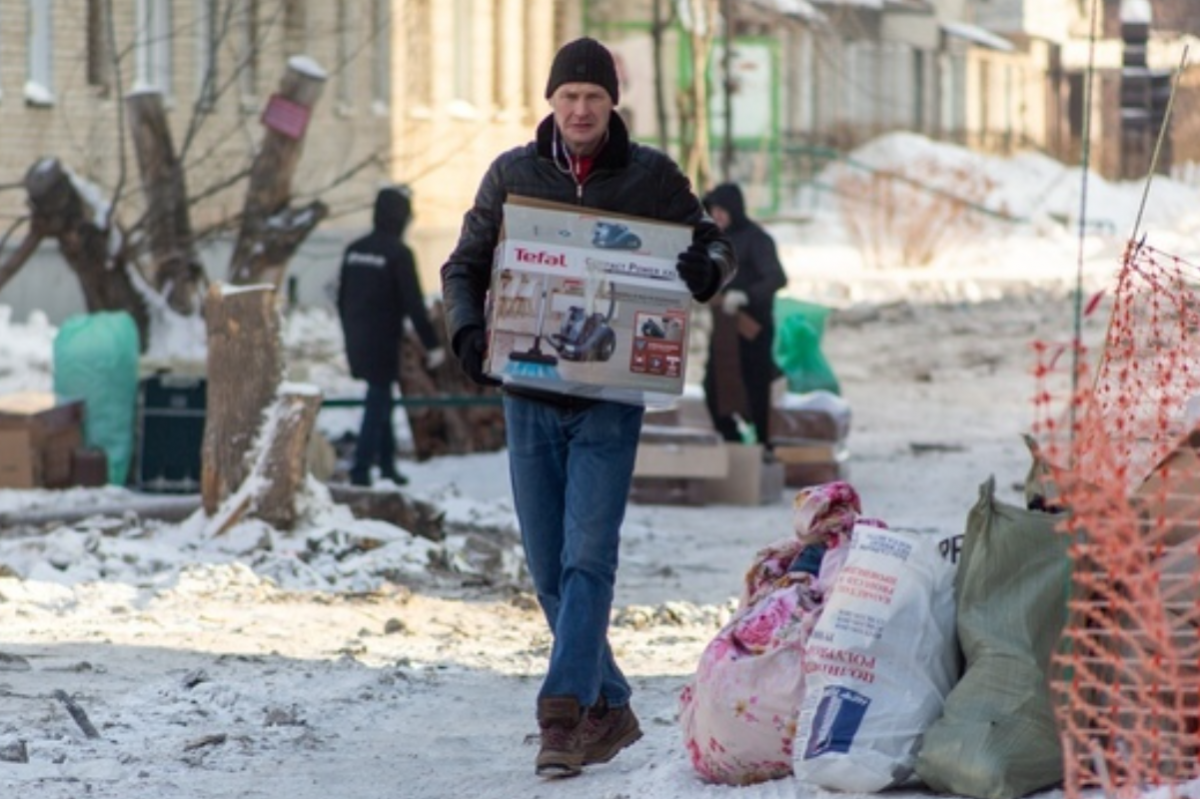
point(581, 111)
point(720, 216)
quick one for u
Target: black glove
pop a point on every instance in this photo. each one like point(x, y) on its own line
point(699, 271)
point(472, 346)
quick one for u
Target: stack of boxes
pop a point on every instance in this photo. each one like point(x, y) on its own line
point(682, 460)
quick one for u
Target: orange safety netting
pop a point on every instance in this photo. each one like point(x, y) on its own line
point(1125, 460)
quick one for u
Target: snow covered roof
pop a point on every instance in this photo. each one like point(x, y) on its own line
point(977, 35)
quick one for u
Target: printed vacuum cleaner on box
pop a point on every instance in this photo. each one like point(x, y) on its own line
point(588, 303)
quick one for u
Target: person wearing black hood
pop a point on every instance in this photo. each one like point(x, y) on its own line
point(378, 288)
point(743, 313)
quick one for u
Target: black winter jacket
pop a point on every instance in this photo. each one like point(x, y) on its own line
point(626, 178)
point(378, 288)
point(759, 273)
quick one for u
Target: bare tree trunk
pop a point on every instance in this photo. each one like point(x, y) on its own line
point(245, 367)
point(271, 231)
point(283, 448)
point(657, 29)
point(175, 270)
point(698, 159)
point(59, 211)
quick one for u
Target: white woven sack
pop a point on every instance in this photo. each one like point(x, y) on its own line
point(880, 661)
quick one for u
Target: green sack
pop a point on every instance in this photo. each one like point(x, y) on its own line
point(799, 327)
point(96, 360)
point(997, 737)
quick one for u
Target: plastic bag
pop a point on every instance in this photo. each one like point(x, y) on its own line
point(997, 737)
point(880, 661)
point(96, 360)
point(799, 328)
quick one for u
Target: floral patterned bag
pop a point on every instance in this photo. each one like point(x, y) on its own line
point(739, 711)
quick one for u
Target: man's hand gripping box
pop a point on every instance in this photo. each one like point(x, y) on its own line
point(588, 303)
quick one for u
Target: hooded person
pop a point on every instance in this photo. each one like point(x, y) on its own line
point(378, 289)
point(741, 366)
point(571, 458)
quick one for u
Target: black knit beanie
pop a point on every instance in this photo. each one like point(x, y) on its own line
point(584, 61)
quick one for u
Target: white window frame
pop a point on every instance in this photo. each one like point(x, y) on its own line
point(39, 83)
point(154, 48)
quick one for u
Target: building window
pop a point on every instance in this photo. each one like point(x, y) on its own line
point(345, 57)
point(153, 46)
point(295, 27)
point(381, 55)
point(39, 85)
point(464, 49)
point(99, 53)
point(206, 53)
point(247, 53)
point(418, 55)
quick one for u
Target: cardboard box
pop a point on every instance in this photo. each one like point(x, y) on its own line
point(38, 433)
point(680, 452)
point(749, 481)
point(690, 491)
point(588, 303)
point(813, 462)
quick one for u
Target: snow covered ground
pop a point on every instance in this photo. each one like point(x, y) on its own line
point(351, 659)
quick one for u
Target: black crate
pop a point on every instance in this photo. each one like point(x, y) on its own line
point(171, 411)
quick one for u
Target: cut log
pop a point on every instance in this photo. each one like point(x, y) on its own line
point(284, 455)
point(175, 269)
point(270, 231)
point(419, 517)
point(245, 368)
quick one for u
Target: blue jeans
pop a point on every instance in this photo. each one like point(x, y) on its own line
point(571, 470)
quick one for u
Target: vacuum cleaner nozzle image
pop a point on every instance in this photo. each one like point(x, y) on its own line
point(615, 236)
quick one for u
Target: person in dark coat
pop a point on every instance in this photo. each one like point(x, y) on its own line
point(571, 458)
point(378, 288)
point(743, 322)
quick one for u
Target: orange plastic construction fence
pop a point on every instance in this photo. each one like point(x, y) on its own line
point(1121, 444)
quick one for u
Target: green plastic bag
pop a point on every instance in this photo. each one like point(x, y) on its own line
point(96, 360)
point(799, 327)
point(997, 737)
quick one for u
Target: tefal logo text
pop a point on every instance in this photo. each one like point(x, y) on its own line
point(540, 257)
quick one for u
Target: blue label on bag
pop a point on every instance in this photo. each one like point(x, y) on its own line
point(839, 715)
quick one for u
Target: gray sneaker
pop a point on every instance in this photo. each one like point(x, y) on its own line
point(605, 731)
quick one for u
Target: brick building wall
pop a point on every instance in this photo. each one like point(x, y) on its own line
point(420, 91)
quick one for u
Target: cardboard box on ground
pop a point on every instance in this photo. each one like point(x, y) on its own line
point(683, 461)
point(39, 434)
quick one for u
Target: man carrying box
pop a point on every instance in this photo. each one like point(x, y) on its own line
point(571, 458)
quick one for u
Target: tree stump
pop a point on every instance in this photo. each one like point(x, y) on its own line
point(245, 368)
point(284, 453)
